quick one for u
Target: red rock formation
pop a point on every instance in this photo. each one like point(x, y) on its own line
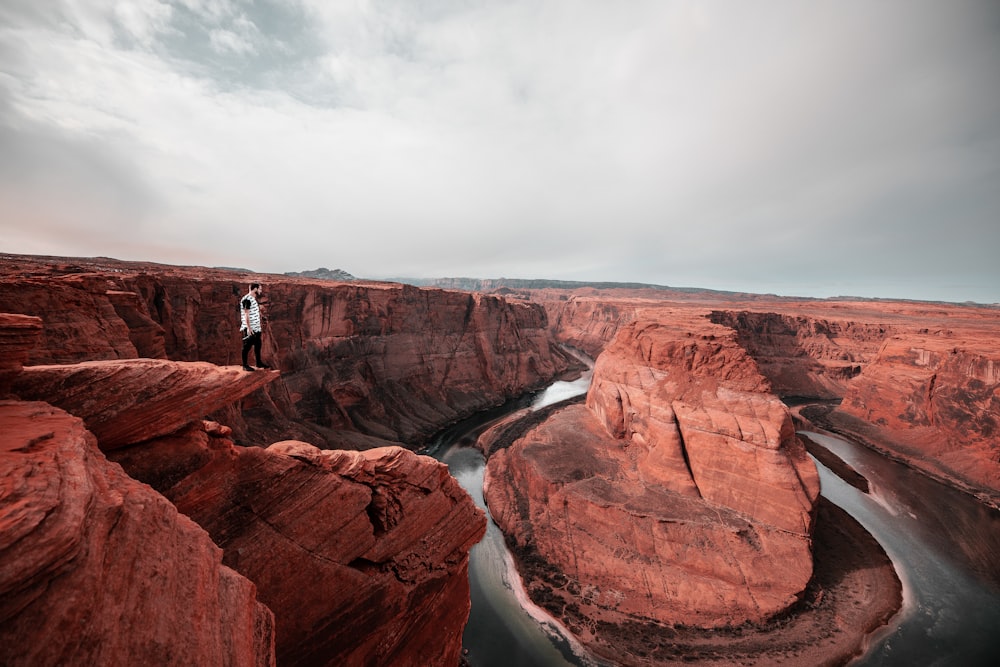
point(362, 556)
point(98, 569)
point(805, 356)
point(80, 322)
point(358, 360)
point(679, 494)
point(18, 336)
point(917, 380)
point(128, 401)
point(928, 397)
point(586, 322)
point(934, 401)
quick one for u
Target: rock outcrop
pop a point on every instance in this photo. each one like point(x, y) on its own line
point(678, 495)
point(362, 363)
point(127, 401)
point(362, 556)
point(98, 569)
point(933, 401)
point(18, 337)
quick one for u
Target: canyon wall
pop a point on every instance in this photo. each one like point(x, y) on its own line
point(327, 557)
point(915, 380)
point(934, 402)
point(310, 556)
point(362, 364)
point(588, 324)
point(805, 356)
point(98, 569)
point(679, 494)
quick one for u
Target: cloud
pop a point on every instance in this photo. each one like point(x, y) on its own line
point(143, 22)
point(694, 143)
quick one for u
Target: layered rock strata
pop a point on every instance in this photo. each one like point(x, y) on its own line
point(678, 495)
point(98, 569)
point(805, 356)
point(362, 556)
point(933, 401)
point(362, 363)
point(131, 400)
point(586, 323)
point(18, 336)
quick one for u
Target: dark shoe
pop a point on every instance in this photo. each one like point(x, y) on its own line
point(247, 368)
point(264, 367)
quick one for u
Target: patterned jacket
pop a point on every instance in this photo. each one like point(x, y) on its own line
point(249, 306)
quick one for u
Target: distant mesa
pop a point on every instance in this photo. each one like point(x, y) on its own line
point(322, 273)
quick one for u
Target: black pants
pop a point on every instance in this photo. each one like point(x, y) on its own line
point(253, 340)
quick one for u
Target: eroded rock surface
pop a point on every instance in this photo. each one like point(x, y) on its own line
point(131, 400)
point(362, 556)
point(362, 363)
point(933, 401)
point(18, 337)
point(98, 569)
point(679, 494)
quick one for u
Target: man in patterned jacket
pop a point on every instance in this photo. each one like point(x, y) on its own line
point(250, 325)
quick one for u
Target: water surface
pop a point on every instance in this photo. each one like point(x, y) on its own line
point(945, 546)
point(505, 629)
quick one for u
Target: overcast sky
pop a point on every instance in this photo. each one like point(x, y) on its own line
point(811, 148)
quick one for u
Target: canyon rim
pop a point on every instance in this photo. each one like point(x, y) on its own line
point(143, 470)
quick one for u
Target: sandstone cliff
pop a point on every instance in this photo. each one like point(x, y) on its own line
point(679, 494)
point(805, 356)
point(361, 558)
point(363, 364)
point(934, 401)
point(917, 380)
point(98, 569)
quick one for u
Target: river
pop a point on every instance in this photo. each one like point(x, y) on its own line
point(945, 546)
point(946, 549)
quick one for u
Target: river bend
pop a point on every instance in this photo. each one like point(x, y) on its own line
point(945, 546)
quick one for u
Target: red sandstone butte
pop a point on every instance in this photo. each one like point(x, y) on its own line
point(98, 569)
point(362, 556)
point(679, 494)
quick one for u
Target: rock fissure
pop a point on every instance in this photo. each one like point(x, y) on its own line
point(686, 457)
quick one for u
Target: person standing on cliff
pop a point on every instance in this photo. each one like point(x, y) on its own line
point(250, 325)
